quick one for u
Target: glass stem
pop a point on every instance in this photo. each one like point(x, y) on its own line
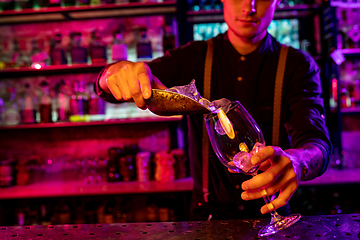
point(274, 215)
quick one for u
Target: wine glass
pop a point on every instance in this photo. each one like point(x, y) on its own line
point(235, 137)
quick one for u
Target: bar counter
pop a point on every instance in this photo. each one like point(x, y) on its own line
point(346, 226)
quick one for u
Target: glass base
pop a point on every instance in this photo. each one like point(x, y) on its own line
point(278, 225)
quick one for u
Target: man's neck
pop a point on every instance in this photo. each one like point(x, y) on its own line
point(243, 45)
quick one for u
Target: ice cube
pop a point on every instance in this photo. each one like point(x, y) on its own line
point(204, 102)
point(189, 90)
point(219, 129)
point(242, 161)
point(243, 147)
point(223, 103)
point(257, 147)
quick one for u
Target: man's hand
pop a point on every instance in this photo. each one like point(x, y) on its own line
point(130, 81)
point(281, 173)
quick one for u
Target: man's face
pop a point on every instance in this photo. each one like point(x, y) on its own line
point(248, 19)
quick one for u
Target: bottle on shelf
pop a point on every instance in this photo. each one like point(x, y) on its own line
point(11, 115)
point(143, 46)
point(82, 2)
point(97, 49)
point(54, 3)
point(19, 57)
point(109, 212)
point(68, 3)
point(62, 105)
point(112, 165)
point(57, 52)
point(6, 5)
point(5, 56)
point(78, 52)
point(96, 105)
point(21, 4)
point(118, 48)
point(78, 104)
point(39, 57)
point(27, 105)
point(45, 106)
point(168, 38)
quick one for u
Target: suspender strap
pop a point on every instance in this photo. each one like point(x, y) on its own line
point(278, 95)
point(205, 138)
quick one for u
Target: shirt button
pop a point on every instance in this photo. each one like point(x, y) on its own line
point(237, 186)
point(242, 58)
point(241, 207)
point(239, 79)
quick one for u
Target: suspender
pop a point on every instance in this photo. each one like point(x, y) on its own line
point(205, 139)
point(276, 112)
point(278, 95)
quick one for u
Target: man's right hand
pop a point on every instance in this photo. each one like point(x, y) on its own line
point(130, 81)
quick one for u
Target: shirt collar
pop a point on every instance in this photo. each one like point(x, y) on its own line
point(265, 46)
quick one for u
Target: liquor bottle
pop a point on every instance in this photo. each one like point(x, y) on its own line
point(82, 2)
point(54, 3)
point(62, 102)
point(45, 215)
point(78, 103)
point(5, 5)
point(45, 106)
point(168, 38)
point(11, 115)
point(64, 214)
point(97, 49)
point(39, 56)
point(112, 166)
point(78, 52)
point(143, 47)
point(57, 52)
point(19, 57)
point(109, 212)
point(96, 105)
point(21, 4)
point(68, 3)
point(5, 56)
point(118, 48)
point(28, 112)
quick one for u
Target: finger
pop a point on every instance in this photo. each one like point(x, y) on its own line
point(265, 165)
point(282, 199)
point(133, 91)
point(111, 81)
point(264, 154)
point(269, 176)
point(144, 76)
point(280, 183)
point(122, 83)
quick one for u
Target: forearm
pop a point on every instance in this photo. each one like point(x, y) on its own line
point(309, 159)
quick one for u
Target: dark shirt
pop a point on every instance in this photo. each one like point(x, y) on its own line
point(249, 79)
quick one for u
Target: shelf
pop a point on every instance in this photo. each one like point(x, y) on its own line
point(350, 52)
point(87, 12)
point(353, 110)
point(79, 188)
point(335, 176)
point(346, 111)
point(297, 11)
point(53, 69)
point(154, 118)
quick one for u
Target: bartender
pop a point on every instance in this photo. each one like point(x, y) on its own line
point(244, 63)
